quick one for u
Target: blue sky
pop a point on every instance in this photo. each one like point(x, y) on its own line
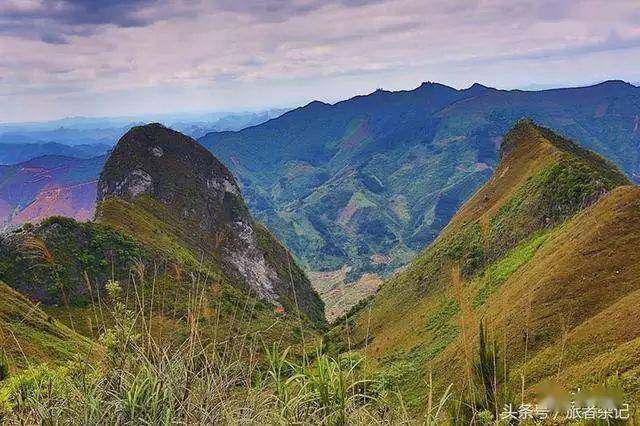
point(112, 58)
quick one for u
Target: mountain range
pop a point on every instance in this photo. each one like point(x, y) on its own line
point(356, 189)
point(368, 182)
point(532, 283)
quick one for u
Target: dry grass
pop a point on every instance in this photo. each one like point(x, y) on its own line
point(235, 380)
point(568, 303)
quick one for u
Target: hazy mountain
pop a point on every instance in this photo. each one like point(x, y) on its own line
point(107, 130)
point(21, 152)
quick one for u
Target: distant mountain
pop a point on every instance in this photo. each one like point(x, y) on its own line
point(21, 152)
point(107, 130)
point(545, 255)
point(48, 186)
point(369, 181)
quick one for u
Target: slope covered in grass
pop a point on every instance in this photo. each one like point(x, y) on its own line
point(29, 336)
point(543, 254)
point(175, 243)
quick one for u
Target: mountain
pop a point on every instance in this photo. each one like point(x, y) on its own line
point(367, 182)
point(544, 255)
point(22, 152)
point(173, 230)
point(169, 177)
point(48, 186)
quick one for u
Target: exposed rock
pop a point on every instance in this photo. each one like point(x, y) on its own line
point(188, 180)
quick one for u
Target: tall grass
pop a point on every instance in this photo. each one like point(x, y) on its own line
point(142, 380)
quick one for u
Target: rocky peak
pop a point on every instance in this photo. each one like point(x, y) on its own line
point(174, 170)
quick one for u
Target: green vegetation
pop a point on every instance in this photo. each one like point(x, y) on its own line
point(66, 258)
point(153, 224)
point(547, 198)
point(466, 246)
point(234, 380)
point(498, 272)
point(486, 393)
point(403, 371)
point(439, 324)
point(285, 265)
point(29, 336)
point(4, 368)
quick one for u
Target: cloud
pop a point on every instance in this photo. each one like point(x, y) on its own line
point(114, 57)
point(281, 10)
point(53, 20)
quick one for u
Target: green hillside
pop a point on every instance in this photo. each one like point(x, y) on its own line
point(30, 336)
point(545, 256)
point(368, 182)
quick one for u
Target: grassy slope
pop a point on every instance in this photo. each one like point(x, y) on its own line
point(28, 335)
point(163, 272)
point(516, 256)
point(157, 226)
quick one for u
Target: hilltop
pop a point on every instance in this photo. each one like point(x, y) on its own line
point(544, 255)
point(165, 177)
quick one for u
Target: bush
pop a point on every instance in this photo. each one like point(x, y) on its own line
point(4, 368)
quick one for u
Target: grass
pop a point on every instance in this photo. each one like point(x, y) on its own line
point(241, 379)
point(500, 271)
point(29, 336)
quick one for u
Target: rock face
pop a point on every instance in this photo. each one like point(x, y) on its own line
point(174, 170)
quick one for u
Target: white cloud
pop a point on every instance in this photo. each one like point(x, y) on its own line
point(186, 56)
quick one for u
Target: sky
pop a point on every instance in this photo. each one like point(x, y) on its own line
point(61, 58)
